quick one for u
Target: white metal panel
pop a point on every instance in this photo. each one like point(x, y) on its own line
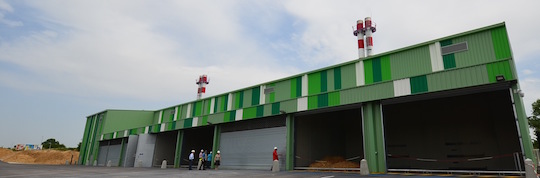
point(114, 135)
point(145, 150)
point(160, 119)
point(176, 113)
point(436, 57)
point(229, 102)
point(126, 133)
point(195, 121)
point(162, 128)
point(239, 114)
point(304, 85)
point(212, 102)
point(262, 95)
point(360, 76)
point(188, 112)
point(146, 129)
point(252, 149)
point(302, 104)
point(402, 87)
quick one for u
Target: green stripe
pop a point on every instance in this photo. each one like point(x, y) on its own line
point(377, 73)
point(313, 102)
point(314, 83)
point(499, 68)
point(260, 111)
point(293, 87)
point(298, 87)
point(449, 61)
point(225, 102)
point(272, 97)
point(333, 98)
point(322, 100)
point(324, 81)
point(216, 101)
point(368, 71)
point(500, 43)
point(419, 84)
point(386, 71)
point(188, 123)
point(275, 108)
point(337, 78)
point(204, 120)
point(249, 113)
point(255, 96)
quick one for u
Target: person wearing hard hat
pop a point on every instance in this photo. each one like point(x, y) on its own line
point(275, 165)
point(209, 160)
point(201, 158)
point(217, 160)
point(191, 158)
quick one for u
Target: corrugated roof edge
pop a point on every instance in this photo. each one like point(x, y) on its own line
point(120, 110)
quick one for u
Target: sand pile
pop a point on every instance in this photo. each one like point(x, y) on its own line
point(38, 156)
point(334, 162)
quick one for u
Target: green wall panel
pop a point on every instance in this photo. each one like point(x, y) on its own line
point(156, 118)
point(462, 77)
point(419, 84)
point(117, 120)
point(168, 115)
point(294, 86)
point(289, 106)
point(409, 63)
point(267, 111)
point(500, 43)
point(216, 118)
point(446, 42)
point(255, 96)
point(249, 113)
point(367, 93)
point(230, 116)
point(206, 106)
point(377, 73)
point(330, 80)
point(184, 111)
point(196, 109)
point(348, 76)
point(216, 104)
point(322, 100)
point(282, 91)
point(324, 81)
point(480, 50)
point(314, 83)
point(203, 121)
point(238, 100)
point(499, 68)
point(333, 98)
point(313, 102)
point(247, 98)
point(449, 61)
point(386, 72)
point(188, 123)
point(224, 103)
point(260, 111)
point(275, 108)
point(337, 78)
point(368, 71)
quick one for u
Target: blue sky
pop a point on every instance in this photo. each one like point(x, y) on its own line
point(61, 61)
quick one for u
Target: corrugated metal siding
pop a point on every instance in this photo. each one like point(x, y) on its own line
point(386, 72)
point(449, 61)
point(368, 71)
point(256, 96)
point(348, 76)
point(436, 57)
point(289, 106)
point(314, 83)
point(267, 110)
point(462, 77)
point(500, 43)
point(410, 63)
point(168, 115)
point(336, 74)
point(377, 72)
point(367, 93)
point(282, 91)
point(216, 118)
point(402, 87)
point(296, 87)
point(313, 102)
point(334, 98)
point(188, 123)
point(419, 84)
point(499, 68)
point(260, 111)
point(331, 80)
point(247, 98)
point(197, 108)
point(480, 50)
point(324, 81)
point(322, 100)
point(276, 107)
point(249, 113)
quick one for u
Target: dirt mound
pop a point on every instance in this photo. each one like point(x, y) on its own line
point(334, 162)
point(38, 156)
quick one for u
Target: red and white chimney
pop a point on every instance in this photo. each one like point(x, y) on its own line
point(202, 82)
point(370, 29)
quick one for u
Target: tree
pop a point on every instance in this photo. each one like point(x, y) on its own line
point(78, 147)
point(534, 122)
point(52, 143)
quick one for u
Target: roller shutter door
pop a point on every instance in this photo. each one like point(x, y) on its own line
point(252, 149)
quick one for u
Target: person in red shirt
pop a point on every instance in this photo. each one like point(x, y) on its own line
point(275, 165)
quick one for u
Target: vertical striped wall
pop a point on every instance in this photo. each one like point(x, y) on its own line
point(415, 70)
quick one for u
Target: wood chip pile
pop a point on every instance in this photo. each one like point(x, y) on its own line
point(334, 162)
point(38, 156)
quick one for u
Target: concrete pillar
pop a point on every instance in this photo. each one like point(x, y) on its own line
point(530, 169)
point(95, 162)
point(109, 163)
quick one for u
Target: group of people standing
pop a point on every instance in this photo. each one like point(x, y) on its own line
point(205, 159)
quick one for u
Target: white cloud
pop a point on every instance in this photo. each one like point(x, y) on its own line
point(531, 89)
point(5, 7)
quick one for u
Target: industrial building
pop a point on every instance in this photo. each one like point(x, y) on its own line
point(452, 103)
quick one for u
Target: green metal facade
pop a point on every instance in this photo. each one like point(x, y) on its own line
point(406, 71)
